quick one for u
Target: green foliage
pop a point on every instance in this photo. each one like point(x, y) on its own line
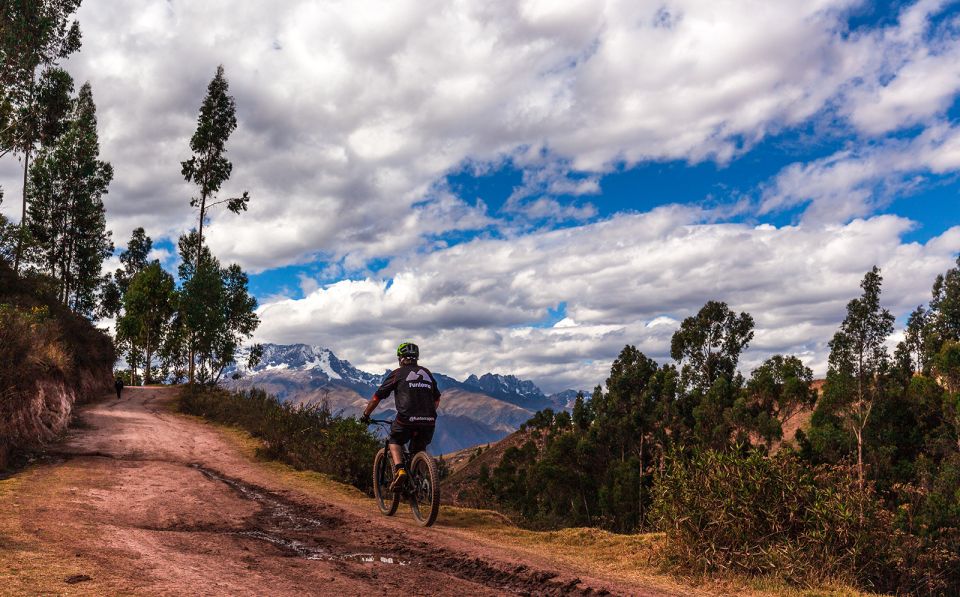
point(209, 168)
point(34, 36)
point(67, 223)
point(305, 437)
point(776, 391)
point(148, 307)
point(582, 412)
point(217, 313)
point(708, 344)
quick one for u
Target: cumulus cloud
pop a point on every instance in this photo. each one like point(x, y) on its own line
point(350, 113)
point(910, 76)
point(629, 279)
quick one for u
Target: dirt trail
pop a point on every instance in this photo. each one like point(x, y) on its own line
point(142, 501)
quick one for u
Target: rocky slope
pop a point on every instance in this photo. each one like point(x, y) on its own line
point(475, 411)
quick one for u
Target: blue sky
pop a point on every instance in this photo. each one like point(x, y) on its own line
point(526, 186)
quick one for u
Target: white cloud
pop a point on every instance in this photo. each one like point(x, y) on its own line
point(855, 182)
point(350, 113)
point(629, 279)
point(909, 75)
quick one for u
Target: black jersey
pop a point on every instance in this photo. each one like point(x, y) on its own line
point(415, 393)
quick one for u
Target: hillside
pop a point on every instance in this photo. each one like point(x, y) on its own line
point(478, 410)
point(51, 360)
point(460, 488)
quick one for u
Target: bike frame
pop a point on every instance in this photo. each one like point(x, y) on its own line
point(407, 456)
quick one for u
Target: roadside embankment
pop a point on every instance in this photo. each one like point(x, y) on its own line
point(50, 360)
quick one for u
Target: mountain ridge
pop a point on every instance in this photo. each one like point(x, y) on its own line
point(480, 409)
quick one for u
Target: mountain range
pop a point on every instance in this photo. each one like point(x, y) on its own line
point(477, 410)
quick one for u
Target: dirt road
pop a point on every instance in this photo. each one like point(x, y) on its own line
point(139, 500)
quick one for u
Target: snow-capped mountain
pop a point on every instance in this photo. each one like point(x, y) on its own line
point(477, 410)
point(319, 362)
point(512, 389)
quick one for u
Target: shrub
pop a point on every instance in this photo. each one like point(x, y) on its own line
point(750, 514)
point(305, 437)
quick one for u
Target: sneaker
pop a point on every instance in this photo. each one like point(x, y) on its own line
point(399, 478)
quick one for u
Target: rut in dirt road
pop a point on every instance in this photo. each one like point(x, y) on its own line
point(335, 535)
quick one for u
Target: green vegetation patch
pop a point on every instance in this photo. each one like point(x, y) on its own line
point(305, 437)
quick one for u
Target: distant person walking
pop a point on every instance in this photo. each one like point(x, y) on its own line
point(118, 385)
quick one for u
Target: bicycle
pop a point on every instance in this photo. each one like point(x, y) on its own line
point(422, 488)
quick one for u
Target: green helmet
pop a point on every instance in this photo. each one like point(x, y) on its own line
point(408, 350)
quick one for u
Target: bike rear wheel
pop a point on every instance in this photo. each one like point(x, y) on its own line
point(387, 500)
point(424, 489)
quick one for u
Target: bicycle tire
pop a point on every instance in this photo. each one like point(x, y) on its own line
point(387, 501)
point(425, 479)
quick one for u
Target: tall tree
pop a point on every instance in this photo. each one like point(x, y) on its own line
point(858, 359)
point(708, 347)
point(944, 316)
point(915, 337)
point(209, 168)
point(709, 344)
point(66, 213)
point(34, 36)
point(148, 306)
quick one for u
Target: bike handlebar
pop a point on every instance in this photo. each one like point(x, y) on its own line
point(381, 421)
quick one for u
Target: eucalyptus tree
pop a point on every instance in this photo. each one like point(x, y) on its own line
point(708, 346)
point(858, 361)
point(148, 305)
point(34, 36)
point(217, 313)
point(65, 207)
point(209, 167)
point(776, 392)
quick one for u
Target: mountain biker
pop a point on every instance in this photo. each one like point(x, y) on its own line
point(417, 398)
point(118, 386)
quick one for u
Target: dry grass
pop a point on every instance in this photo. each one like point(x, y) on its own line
point(27, 565)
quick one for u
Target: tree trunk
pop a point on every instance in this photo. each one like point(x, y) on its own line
point(640, 488)
point(146, 365)
point(23, 213)
point(203, 211)
point(859, 434)
point(190, 366)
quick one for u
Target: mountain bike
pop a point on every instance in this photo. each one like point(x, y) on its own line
point(421, 489)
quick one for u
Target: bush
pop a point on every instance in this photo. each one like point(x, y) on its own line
point(750, 514)
point(305, 437)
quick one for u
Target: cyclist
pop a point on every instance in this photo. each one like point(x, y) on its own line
point(417, 398)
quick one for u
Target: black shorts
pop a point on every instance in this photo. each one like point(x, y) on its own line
point(419, 437)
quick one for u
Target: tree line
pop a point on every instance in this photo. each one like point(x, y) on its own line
point(891, 420)
point(184, 328)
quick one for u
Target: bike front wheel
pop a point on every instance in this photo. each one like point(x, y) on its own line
point(387, 500)
point(425, 489)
